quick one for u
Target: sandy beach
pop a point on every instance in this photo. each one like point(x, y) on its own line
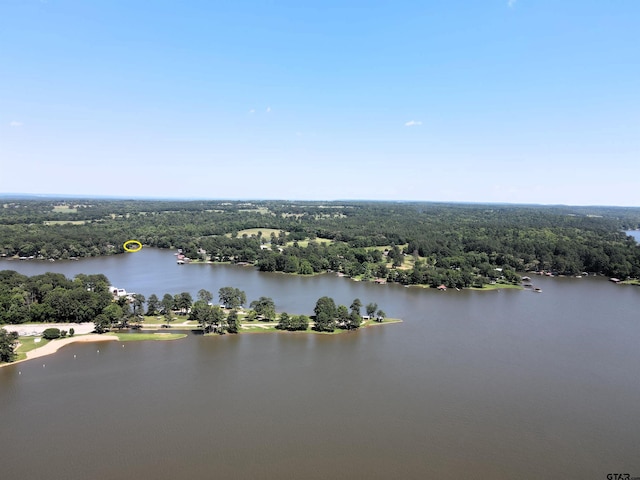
point(55, 345)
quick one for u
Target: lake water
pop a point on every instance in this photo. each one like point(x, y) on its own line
point(635, 234)
point(487, 385)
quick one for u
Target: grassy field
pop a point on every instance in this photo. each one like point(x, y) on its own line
point(135, 337)
point(305, 243)
point(266, 232)
point(62, 222)
point(248, 328)
point(176, 322)
point(261, 210)
point(64, 209)
point(27, 344)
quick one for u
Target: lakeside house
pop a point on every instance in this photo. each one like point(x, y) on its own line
point(117, 292)
point(442, 288)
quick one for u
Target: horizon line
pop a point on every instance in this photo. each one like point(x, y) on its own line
point(59, 196)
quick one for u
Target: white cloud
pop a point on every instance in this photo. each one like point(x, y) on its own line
point(15, 123)
point(412, 123)
point(253, 110)
point(268, 109)
point(511, 3)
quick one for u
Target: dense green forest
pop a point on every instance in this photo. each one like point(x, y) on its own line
point(458, 245)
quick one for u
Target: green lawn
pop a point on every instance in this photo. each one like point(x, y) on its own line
point(64, 209)
point(305, 243)
point(266, 232)
point(62, 222)
point(27, 344)
point(135, 337)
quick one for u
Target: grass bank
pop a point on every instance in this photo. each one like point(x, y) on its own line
point(27, 344)
point(496, 286)
point(137, 337)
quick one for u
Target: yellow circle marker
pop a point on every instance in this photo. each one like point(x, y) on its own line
point(132, 249)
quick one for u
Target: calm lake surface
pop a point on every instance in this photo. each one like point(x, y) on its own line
point(485, 385)
point(635, 234)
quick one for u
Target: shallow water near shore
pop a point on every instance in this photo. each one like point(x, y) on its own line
point(501, 385)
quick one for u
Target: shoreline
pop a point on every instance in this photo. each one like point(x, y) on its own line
point(55, 345)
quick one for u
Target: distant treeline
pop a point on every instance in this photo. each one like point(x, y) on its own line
point(410, 243)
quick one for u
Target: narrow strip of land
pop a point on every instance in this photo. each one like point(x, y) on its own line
point(56, 345)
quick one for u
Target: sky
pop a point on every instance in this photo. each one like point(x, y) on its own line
point(516, 101)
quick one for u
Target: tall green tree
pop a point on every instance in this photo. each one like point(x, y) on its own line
point(325, 313)
point(266, 307)
point(233, 322)
point(138, 304)
point(285, 322)
point(205, 295)
point(354, 321)
point(371, 309)
point(167, 304)
point(153, 304)
point(102, 323)
point(8, 344)
point(183, 302)
point(356, 305)
point(342, 315)
point(232, 297)
point(299, 322)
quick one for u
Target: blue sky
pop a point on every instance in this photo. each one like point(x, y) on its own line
point(517, 101)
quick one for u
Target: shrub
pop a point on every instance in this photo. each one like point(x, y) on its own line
point(71, 332)
point(51, 333)
point(63, 333)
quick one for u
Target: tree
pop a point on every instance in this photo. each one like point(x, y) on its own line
point(325, 311)
point(125, 312)
point(153, 304)
point(217, 319)
point(285, 322)
point(138, 304)
point(381, 315)
point(266, 307)
point(201, 313)
point(205, 295)
point(300, 322)
point(342, 314)
point(102, 323)
point(167, 304)
point(112, 313)
point(8, 343)
point(371, 309)
point(51, 333)
point(233, 322)
point(208, 317)
point(353, 321)
point(183, 302)
point(356, 305)
point(232, 297)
